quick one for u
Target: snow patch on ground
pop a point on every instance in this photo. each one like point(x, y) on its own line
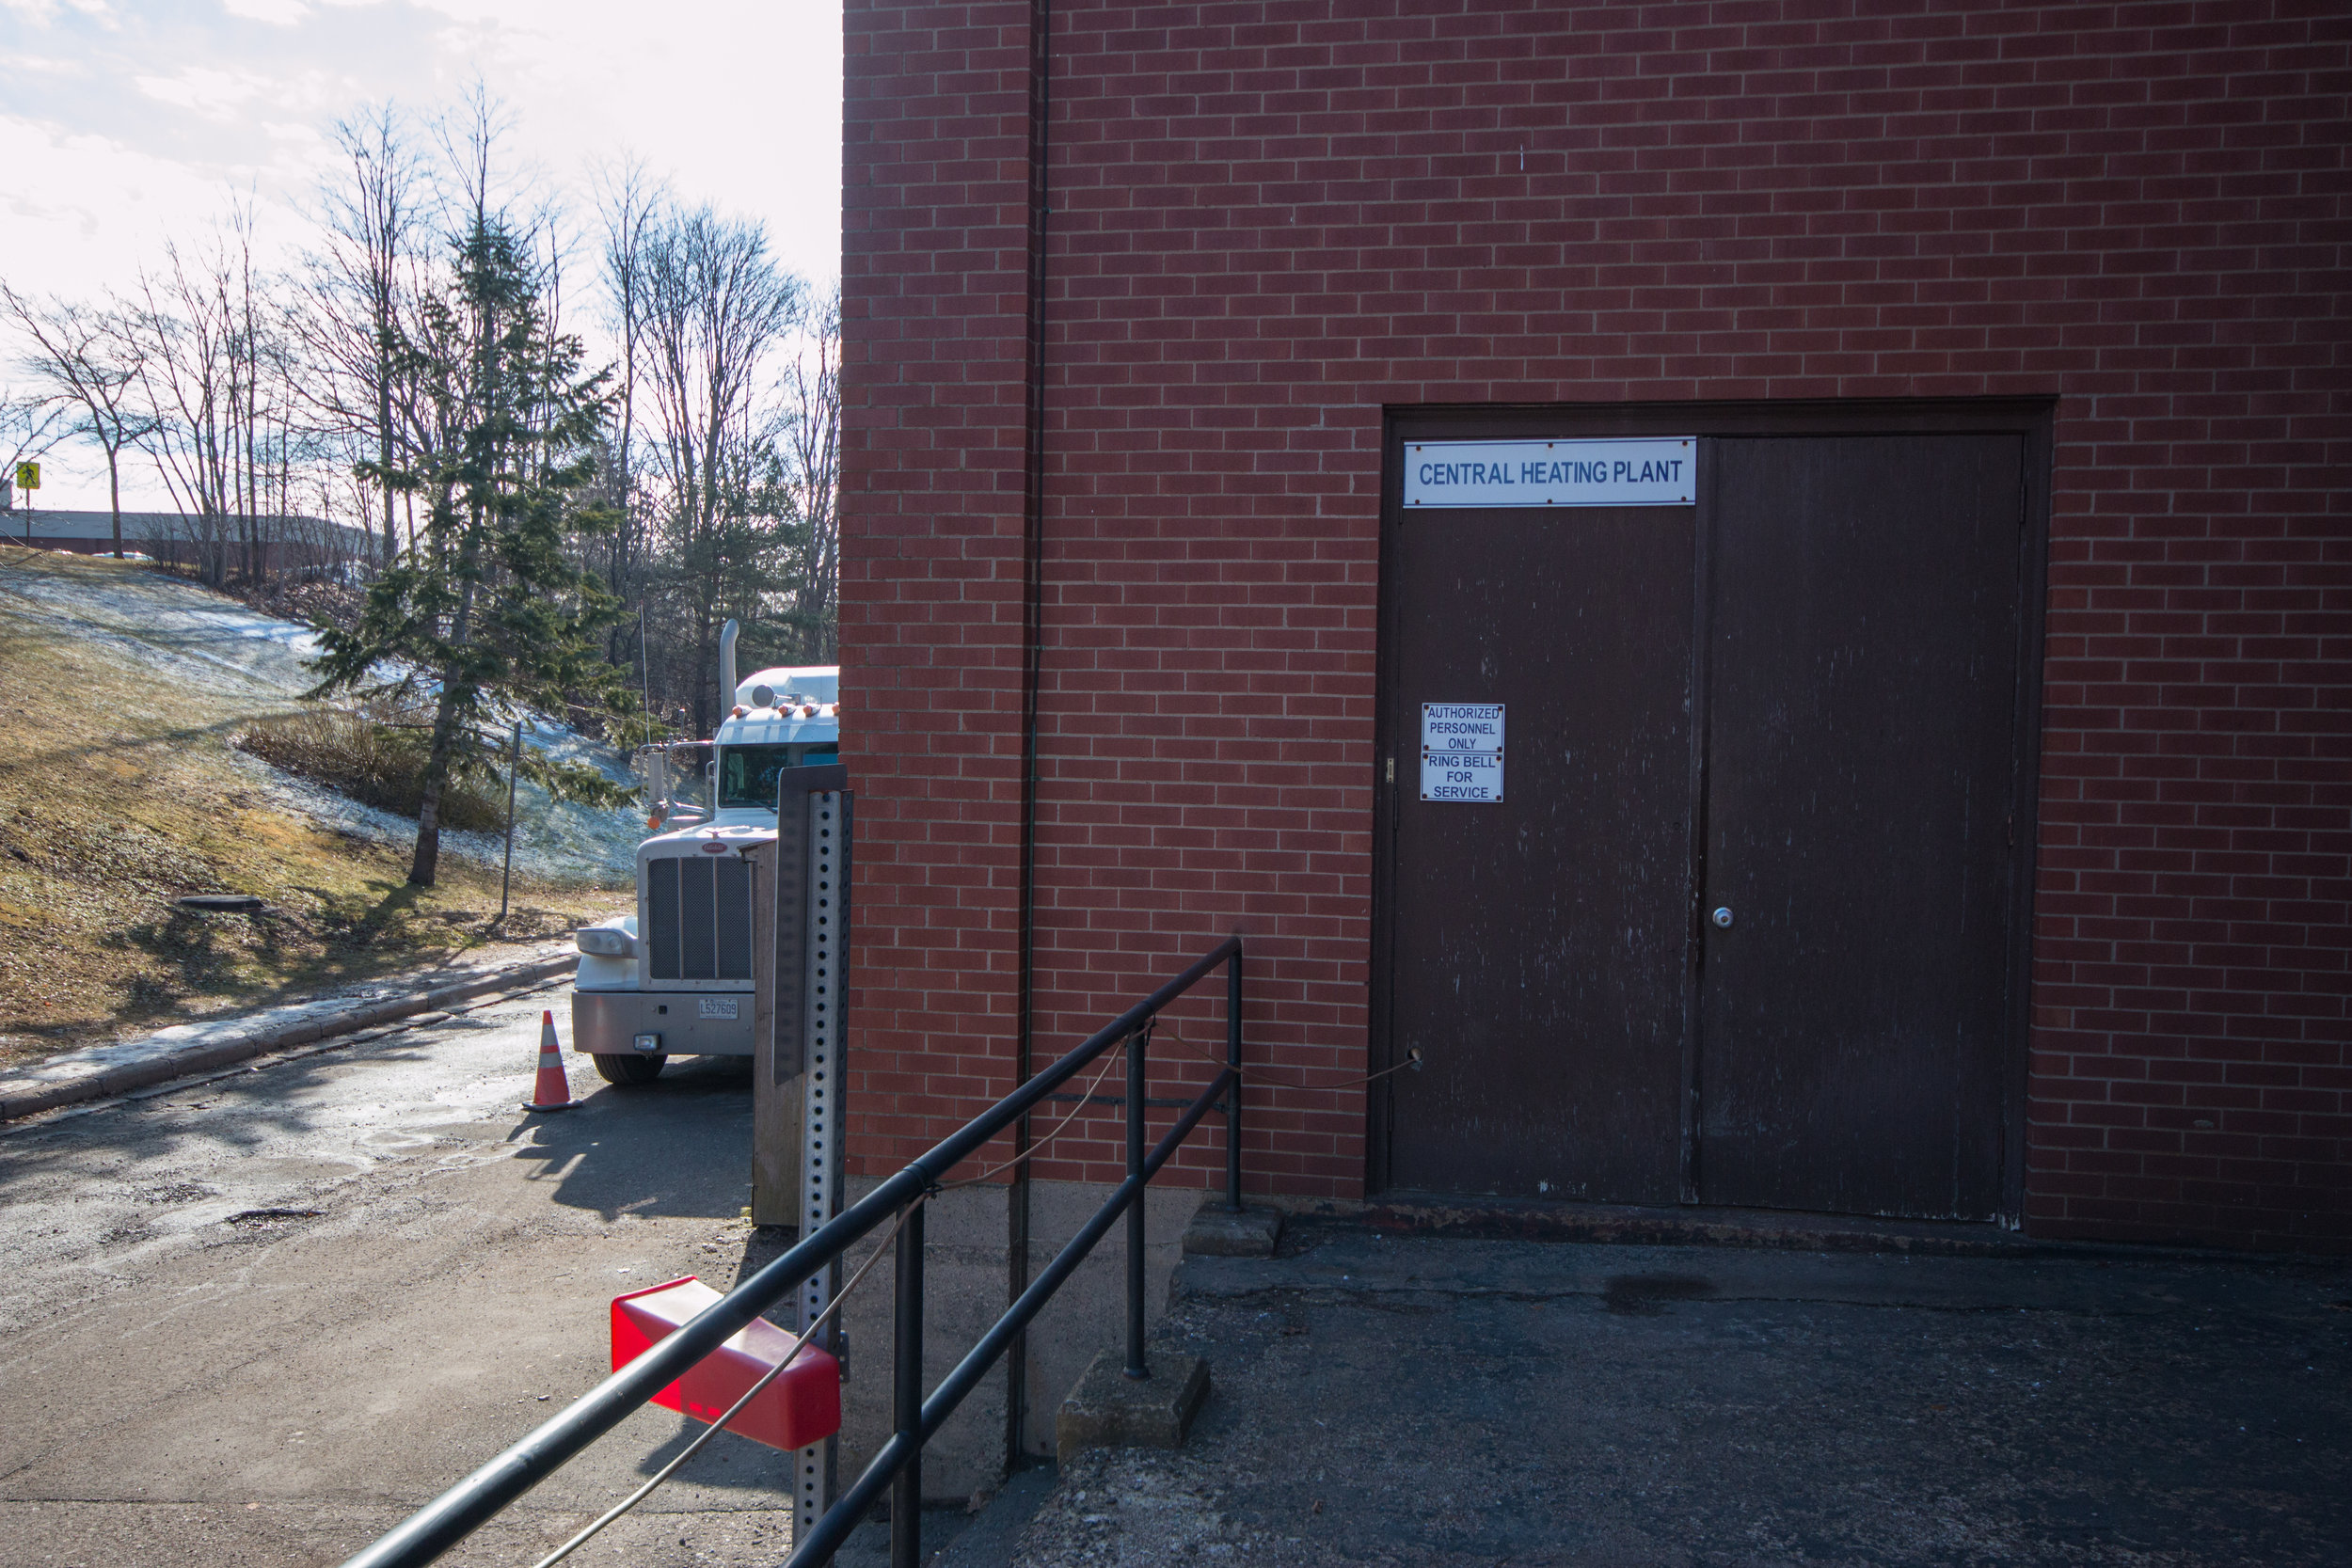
point(564, 841)
point(173, 628)
point(245, 664)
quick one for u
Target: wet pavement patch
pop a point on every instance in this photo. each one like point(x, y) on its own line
point(176, 1192)
point(1646, 1295)
point(252, 1219)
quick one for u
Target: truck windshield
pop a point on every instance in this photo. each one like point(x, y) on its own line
point(747, 775)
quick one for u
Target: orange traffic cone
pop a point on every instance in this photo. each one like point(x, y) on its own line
point(553, 1091)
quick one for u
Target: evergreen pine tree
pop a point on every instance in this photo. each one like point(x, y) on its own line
point(487, 606)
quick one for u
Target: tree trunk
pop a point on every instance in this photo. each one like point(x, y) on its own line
point(427, 862)
point(256, 554)
point(427, 859)
point(114, 492)
point(384, 447)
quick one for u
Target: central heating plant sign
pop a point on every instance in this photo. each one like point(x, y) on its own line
point(1461, 751)
point(1653, 471)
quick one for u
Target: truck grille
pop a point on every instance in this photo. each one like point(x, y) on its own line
point(698, 918)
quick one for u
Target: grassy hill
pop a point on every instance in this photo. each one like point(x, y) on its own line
point(119, 692)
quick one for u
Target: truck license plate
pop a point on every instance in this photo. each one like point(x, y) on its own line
point(718, 1007)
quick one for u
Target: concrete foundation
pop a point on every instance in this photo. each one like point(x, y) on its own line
point(1217, 1231)
point(963, 1279)
point(1110, 1410)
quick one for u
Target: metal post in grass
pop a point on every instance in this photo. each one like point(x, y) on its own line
point(513, 764)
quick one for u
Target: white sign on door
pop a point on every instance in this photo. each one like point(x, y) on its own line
point(1651, 472)
point(1461, 751)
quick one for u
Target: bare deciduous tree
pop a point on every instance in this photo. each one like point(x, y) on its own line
point(212, 378)
point(30, 425)
point(359, 291)
point(86, 359)
point(813, 441)
point(627, 200)
point(716, 310)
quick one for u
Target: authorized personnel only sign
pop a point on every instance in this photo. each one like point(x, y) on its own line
point(1660, 472)
point(1461, 751)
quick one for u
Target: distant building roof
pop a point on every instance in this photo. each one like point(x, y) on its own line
point(72, 524)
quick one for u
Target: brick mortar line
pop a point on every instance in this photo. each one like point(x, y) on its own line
point(350, 1020)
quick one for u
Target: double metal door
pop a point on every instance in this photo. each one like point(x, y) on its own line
point(1742, 929)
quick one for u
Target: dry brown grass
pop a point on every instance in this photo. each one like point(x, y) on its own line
point(113, 803)
point(375, 757)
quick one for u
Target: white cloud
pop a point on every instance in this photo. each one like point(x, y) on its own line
point(43, 65)
point(737, 102)
point(46, 11)
point(216, 93)
point(122, 129)
point(89, 211)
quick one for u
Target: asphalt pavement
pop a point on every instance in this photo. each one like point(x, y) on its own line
point(1390, 1399)
point(257, 1320)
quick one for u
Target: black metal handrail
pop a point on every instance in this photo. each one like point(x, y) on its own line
point(458, 1512)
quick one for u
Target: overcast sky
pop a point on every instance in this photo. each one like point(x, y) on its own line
point(125, 121)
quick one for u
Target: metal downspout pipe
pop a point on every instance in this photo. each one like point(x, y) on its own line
point(1032, 676)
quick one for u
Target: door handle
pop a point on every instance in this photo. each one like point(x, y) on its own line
point(1722, 917)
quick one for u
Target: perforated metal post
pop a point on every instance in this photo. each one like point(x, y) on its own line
point(823, 987)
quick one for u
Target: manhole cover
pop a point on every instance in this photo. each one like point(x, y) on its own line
point(219, 903)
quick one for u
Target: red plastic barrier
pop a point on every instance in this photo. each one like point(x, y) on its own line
point(801, 1407)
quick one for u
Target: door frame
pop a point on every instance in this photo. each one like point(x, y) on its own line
point(2031, 419)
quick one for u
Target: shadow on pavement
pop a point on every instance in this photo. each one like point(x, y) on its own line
point(679, 1146)
point(730, 1462)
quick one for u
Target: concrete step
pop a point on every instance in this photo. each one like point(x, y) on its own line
point(1333, 1262)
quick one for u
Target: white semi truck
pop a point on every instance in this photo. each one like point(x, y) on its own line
point(675, 977)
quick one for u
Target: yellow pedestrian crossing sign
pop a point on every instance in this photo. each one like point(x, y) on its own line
point(29, 476)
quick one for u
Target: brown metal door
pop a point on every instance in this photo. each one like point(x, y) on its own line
point(1539, 945)
point(1861, 690)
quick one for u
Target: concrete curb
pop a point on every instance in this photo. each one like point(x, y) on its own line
point(192, 1048)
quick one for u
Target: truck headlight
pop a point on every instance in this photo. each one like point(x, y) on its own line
point(604, 941)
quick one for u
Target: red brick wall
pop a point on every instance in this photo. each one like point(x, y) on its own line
point(934, 235)
point(1272, 219)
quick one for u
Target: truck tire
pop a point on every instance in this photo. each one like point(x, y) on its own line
point(614, 1068)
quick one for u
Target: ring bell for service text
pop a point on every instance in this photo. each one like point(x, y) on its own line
point(1461, 751)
